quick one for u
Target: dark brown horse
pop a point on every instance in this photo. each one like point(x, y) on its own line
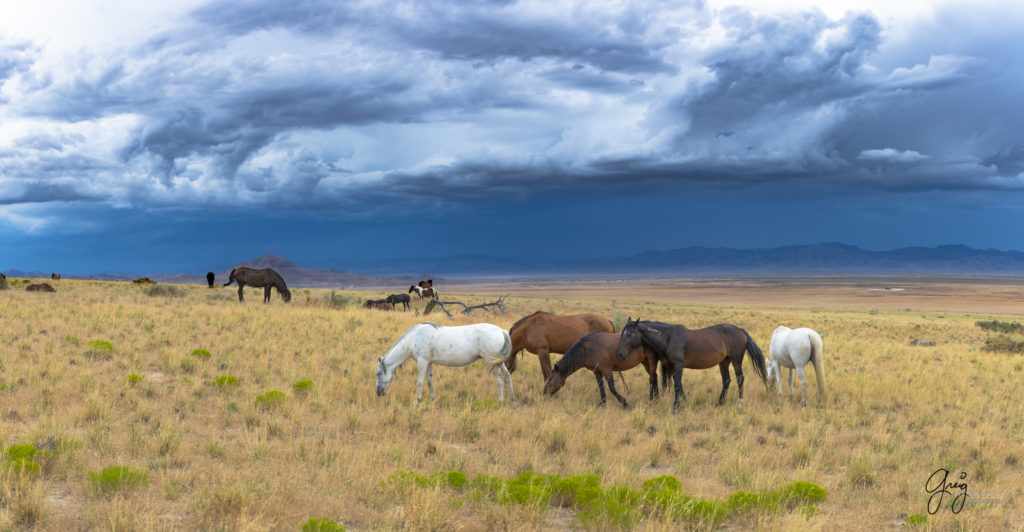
point(544, 333)
point(379, 304)
point(40, 287)
point(597, 352)
point(394, 299)
point(55, 276)
point(718, 345)
point(265, 278)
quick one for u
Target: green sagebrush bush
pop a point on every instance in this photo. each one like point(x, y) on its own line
point(117, 478)
point(271, 399)
point(322, 524)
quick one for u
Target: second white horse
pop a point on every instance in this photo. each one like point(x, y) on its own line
point(793, 349)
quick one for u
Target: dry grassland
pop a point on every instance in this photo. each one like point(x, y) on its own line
point(215, 460)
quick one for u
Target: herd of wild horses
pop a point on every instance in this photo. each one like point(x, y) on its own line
point(589, 341)
point(585, 340)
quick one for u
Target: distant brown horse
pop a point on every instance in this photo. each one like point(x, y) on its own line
point(40, 287)
point(265, 278)
point(597, 352)
point(544, 333)
point(378, 304)
point(209, 278)
point(55, 276)
point(718, 345)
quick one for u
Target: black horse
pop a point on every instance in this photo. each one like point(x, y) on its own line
point(680, 347)
point(209, 278)
point(266, 278)
point(399, 298)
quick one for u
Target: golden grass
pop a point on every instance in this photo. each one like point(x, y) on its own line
point(216, 460)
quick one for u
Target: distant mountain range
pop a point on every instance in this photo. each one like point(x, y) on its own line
point(830, 258)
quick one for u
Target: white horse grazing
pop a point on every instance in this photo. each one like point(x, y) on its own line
point(793, 348)
point(430, 343)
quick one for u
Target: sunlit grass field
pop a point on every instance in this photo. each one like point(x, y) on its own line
point(101, 374)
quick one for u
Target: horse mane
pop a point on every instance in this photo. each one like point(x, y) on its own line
point(408, 332)
point(521, 320)
point(568, 360)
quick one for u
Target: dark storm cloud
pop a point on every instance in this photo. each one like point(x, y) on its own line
point(326, 103)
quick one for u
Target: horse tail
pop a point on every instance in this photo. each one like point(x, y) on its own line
point(819, 363)
point(231, 278)
point(506, 349)
point(757, 358)
point(510, 363)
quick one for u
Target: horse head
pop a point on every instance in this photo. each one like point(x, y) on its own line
point(630, 338)
point(554, 383)
point(384, 377)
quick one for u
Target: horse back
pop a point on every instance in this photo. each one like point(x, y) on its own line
point(461, 345)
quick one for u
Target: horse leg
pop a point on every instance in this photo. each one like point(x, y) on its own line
point(430, 380)
point(611, 386)
point(677, 376)
point(424, 368)
point(502, 375)
point(777, 372)
point(737, 368)
point(266, 294)
point(508, 380)
point(803, 386)
point(545, 362)
point(791, 384)
point(240, 286)
point(652, 374)
point(724, 368)
point(600, 388)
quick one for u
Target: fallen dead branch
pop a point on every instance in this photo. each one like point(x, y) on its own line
point(466, 309)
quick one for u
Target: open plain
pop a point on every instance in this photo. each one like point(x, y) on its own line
point(101, 375)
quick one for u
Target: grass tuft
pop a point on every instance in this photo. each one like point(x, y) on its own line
point(117, 478)
point(272, 399)
point(322, 524)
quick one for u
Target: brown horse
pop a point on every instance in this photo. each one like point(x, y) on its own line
point(379, 304)
point(55, 276)
point(40, 287)
point(209, 278)
point(544, 333)
point(596, 352)
point(265, 278)
point(718, 345)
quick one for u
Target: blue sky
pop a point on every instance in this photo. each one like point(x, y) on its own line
point(144, 137)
